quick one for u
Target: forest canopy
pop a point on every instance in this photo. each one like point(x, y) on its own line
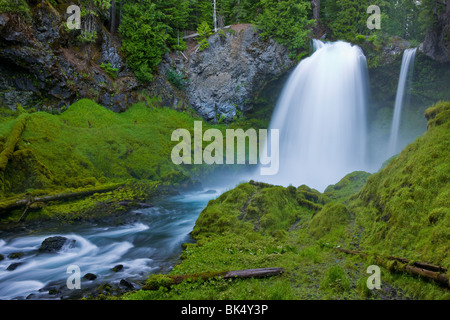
point(150, 28)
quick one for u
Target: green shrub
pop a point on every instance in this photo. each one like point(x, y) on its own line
point(16, 6)
point(112, 72)
point(204, 31)
point(177, 79)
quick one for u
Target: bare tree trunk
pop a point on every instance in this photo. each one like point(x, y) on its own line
point(215, 17)
point(112, 17)
point(315, 4)
point(316, 9)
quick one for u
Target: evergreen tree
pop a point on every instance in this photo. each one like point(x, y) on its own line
point(144, 35)
point(287, 22)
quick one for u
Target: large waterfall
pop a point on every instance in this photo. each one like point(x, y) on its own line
point(321, 118)
point(407, 65)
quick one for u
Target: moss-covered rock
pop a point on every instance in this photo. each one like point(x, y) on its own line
point(347, 186)
point(332, 217)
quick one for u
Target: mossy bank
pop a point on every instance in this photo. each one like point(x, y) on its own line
point(401, 210)
point(87, 147)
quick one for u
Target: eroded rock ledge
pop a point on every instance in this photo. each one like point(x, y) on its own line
point(222, 80)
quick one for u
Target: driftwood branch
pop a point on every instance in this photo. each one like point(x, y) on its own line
point(426, 270)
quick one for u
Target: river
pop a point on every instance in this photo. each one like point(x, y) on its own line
point(149, 244)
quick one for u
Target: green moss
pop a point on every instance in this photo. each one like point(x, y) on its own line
point(87, 143)
point(438, 114)
point(256, 206)
point(15, 6)
point(347, 186)
point(12, 141)
point(332, 217)
point(404, 208)
point(336, 279)
point(401, 210)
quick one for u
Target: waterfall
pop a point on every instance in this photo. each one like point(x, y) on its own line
point(321, 118)
point(407, 64)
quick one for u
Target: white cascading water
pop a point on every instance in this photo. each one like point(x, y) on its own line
point(321, 118)
point(407, 65)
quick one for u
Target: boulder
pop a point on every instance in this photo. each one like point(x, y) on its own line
point(90, 276)
point(54, 244)
point(117, 268)
point(126, 284)
point(15, 255)
point(13, 266)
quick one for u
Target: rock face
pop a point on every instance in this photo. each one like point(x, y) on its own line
point(43, 65)
point(437, 41)
point(224, 78)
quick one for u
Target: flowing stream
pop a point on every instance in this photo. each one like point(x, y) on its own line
point(150, 244)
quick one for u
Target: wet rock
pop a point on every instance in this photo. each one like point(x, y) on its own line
point(145, 205)
point(2, 257)
point(54, 244)
point(117, 268)
point(210, 192)
point(13, 266)
point(90, 276)
point(16, 255)
point(54, 291)
point(126, 284)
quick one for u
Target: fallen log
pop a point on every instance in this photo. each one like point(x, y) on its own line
point(426, 270)
point(12, 140)
point(436, 276)
point(418, 264)
point(9, 205)
point(253, 273)
point(154, 282)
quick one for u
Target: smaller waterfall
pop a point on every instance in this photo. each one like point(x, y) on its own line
point(407, 64)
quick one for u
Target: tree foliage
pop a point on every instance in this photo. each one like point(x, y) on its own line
point(408, 19)
point(286, 21)
point(144, 35)
point(150, 28)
